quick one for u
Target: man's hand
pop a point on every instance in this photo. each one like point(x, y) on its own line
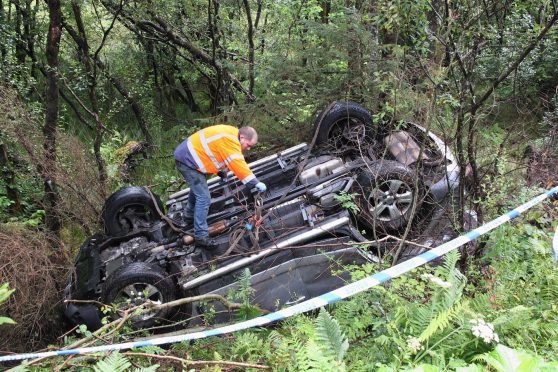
point(261, 187)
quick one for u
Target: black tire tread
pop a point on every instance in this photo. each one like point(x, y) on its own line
point(340, 110)
point(143, 273)
point(119, 199)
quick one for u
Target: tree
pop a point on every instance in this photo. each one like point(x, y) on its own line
point(48, 169)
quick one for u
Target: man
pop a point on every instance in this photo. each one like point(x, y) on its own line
point(211, 151)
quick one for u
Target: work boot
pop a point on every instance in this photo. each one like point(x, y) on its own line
point(205, 243)
point(189, 220)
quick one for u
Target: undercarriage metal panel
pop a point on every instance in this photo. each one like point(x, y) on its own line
point(297, 280)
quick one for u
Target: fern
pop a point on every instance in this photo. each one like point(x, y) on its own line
point(247, 346)
point(442, 320)
point(451, 295)
point(156, 350)
point(113, 363)
point(319, 360)
point(330, 337)
point(444, 301)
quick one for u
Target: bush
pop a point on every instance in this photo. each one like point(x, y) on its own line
point(37, 273)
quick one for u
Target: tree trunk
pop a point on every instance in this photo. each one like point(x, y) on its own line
point(2, 44)
point(218, 96)
point(353, 84)
point(20, 52)
point(28, 16)
point(48, 172)
point(250, 47)
point(91, 72)
point(326, 9)
point(136, 108)
point(8, 175)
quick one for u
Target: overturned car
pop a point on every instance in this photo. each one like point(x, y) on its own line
point(344, 199)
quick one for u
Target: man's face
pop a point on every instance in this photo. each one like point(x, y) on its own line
point(246, 144)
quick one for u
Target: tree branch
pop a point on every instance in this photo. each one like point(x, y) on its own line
point(514, 65)
point(187, 362)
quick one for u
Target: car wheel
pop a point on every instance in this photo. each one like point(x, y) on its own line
point(138, 283)
point(346, 125)
point(129, 209)
point(386, 195)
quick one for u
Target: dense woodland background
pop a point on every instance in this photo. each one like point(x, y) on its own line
point(95, 95)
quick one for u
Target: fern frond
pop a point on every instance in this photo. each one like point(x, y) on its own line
point(549, 330)
point(442, 320)
point(274, 338)
point(549, 293)
point(517, 315)
point(449, 263)
point(449, 296)
point(156, 350)
point(330, 337)
point(481, 302)
point(319, 360)
point(113, 363)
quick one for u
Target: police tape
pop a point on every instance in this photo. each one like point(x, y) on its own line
point(314, 303)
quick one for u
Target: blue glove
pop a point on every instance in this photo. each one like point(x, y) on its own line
point(261, 186)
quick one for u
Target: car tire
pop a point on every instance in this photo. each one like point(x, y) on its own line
point(345, 124)
point(137, 283)
point(128, 209)
point(387, 191)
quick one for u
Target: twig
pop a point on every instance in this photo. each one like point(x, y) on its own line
point(198, 362)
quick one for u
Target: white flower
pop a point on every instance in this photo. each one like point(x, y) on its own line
point(440, 282)
point(414, 344)
point(436, 280)
point(484, 330)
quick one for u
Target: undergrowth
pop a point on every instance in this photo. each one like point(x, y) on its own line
point(500, 312)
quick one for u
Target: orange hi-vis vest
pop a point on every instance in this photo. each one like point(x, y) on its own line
point(216, 148)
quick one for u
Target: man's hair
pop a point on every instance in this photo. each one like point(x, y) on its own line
point(249, 133)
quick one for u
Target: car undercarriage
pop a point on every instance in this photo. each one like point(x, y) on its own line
point(355, 193)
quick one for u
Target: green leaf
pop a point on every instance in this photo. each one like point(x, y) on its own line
point(6, 320)
point(330, 337)
point(5, 292)
point(505, 359)
point(113, 363)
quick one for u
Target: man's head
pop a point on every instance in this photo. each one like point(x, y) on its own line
point(247, 137)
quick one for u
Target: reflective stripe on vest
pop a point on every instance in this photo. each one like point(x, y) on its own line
point(205, 146)
point(220, 135)
point(248, 179)
point(195, 156)
point(228, 160)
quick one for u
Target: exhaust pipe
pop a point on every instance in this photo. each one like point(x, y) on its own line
point(318, 230)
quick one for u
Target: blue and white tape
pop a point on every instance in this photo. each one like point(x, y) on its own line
point(314, 303)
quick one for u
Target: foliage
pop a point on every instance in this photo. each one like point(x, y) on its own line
point(428, 62)
point(347, 201)
point(114, 362)
point(331, 339)
point(5, 292)
point(504, 359)
point(243, 295)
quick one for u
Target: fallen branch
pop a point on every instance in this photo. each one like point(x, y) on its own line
point(198, 362)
